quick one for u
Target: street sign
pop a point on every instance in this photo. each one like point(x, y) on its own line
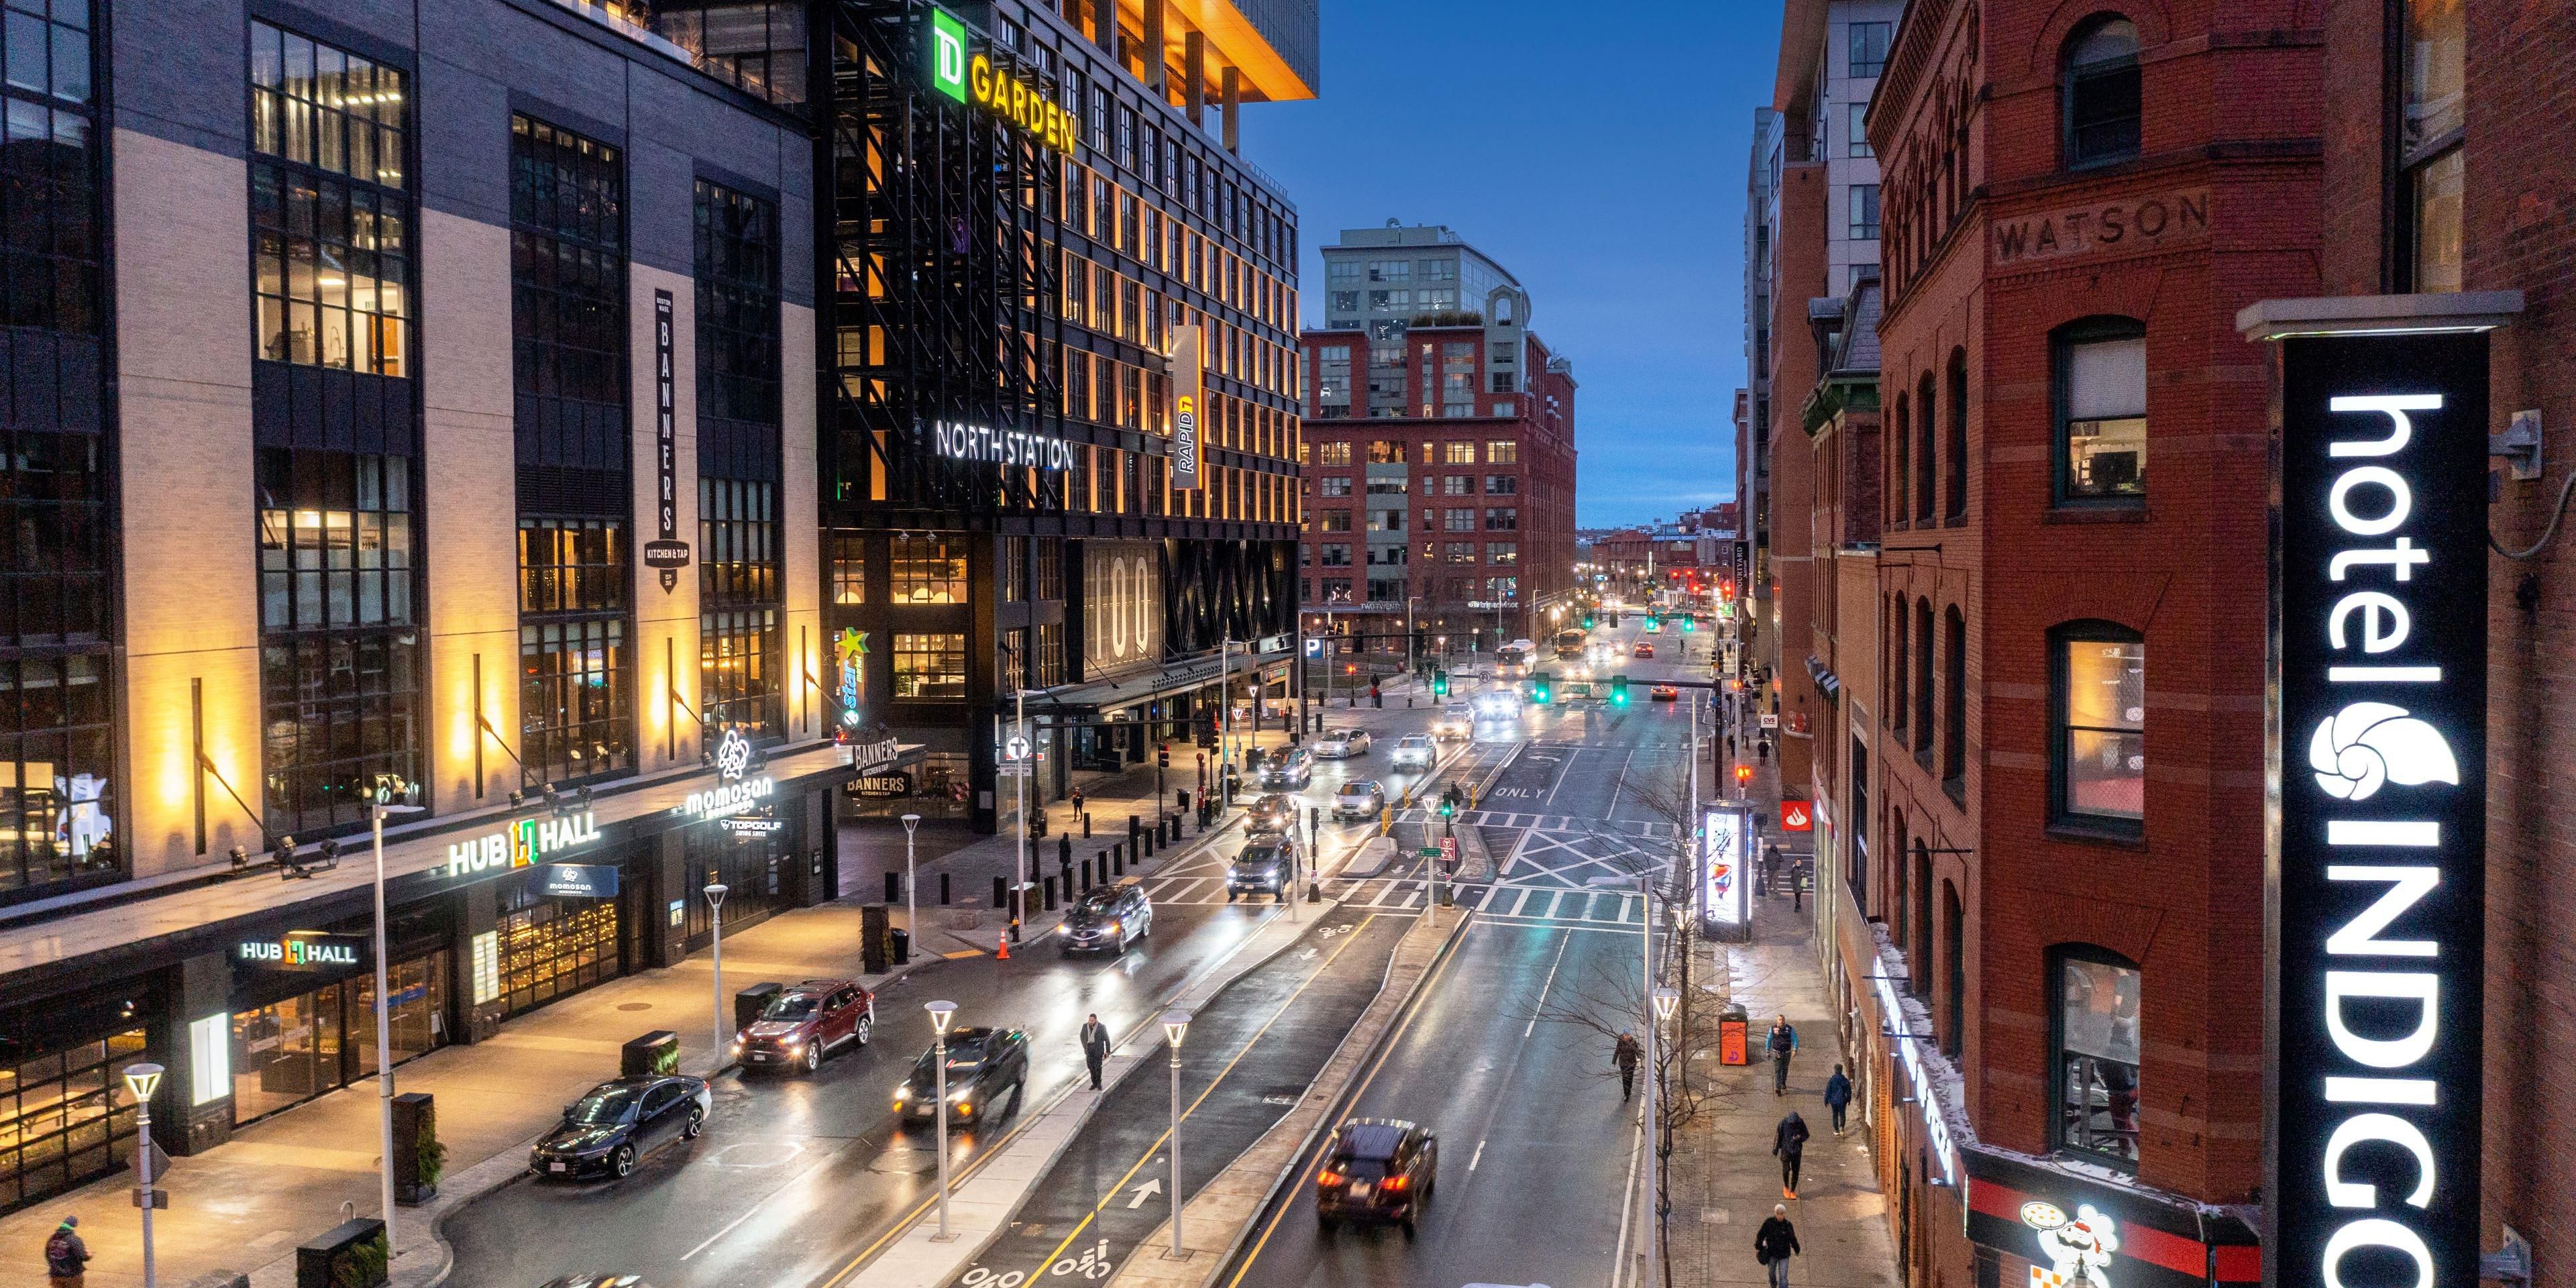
point(1795, 817)
point(160, 1198)
point(581, 880)
point(1770, 719)
point(1013, 769)
point(1016, 748)
point(160, 1163)
point(1427, 852)
point(666, 554)
point(1449, 849)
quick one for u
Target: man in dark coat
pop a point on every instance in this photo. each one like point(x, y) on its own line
point(66, 1257)
point(1789, 1141)
point(1095, 1047)
point(1625, 1053)
point(1775, 1243)
point(1782, 1044)
point(1838, 1091)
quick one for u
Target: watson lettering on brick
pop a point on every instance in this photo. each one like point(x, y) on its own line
point(2161, 221)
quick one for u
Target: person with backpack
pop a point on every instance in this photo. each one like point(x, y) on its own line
point(1782, 1044)
point(1789, 1142)
point(1838, 1092)
point(66, 1257)
point(1775, 1243)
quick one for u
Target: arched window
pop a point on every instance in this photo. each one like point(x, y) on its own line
point(1958, 423)
point(1954, 957)
point(1923, 692)
point(2100, 379)
point(1918, 954)
point(1898, 677)
point(1897, 473)
point(1954, 714)
point(2097, 725)
point(2101, 92)
point(2093, 1032)
point(1893, 912)
point(1925, 458)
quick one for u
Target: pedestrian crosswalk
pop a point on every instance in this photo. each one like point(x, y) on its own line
point(1642, 829)
point(1512, 903)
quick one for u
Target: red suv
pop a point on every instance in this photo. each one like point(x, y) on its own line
point(802, 1025)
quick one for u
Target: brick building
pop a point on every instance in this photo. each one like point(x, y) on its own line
point(2431, 184)
point(2053, 948)
point(1439, 449)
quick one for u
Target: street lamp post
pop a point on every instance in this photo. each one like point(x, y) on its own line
point(384, 1020)
point(941, 1015)
point(911, 900)
point(715, 892)
point(1666, 999)
point(143, 1080)
point(1176, 1025)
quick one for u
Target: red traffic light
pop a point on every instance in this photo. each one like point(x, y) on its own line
point(1743, 774)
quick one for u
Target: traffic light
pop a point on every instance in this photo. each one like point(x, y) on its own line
point(1743, 775)
point(1542, 688)
point(1654, 621)
point(1449, 803)
point(1587, 621)
point(1618, 690)
point(1689, 624)
point(1163, 755)
point(1440, 684)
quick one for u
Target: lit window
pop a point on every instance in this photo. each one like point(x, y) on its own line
point(930, 667)
point(2102, 416)
point(2097, 1056)
point(2101, 754)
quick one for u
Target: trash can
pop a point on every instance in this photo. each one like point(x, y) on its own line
point(899, 945)
point(1734, 1031)
point(750, 1002)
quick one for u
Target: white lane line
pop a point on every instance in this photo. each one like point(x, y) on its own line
point(1517, 903)
point(1532, 1027)
point(1471, 1163)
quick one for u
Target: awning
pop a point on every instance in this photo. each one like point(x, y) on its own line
point(1827, 683)
point(1101, 697)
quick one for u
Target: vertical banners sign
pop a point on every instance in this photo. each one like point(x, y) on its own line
point(666, 552)
point(948, 55)
point(2380, 763)
point(1189, 399)
point(1727, 844)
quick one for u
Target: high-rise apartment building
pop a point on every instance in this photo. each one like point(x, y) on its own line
point(1439, 447)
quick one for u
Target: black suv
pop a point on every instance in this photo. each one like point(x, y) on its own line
point(604, 1132)
point(1378, 1169)
point(1106, 918)
point(1267, 865)
point(984, 1065)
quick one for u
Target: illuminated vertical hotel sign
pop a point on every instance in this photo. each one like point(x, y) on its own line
point(1189, 402)
point(2379, 764)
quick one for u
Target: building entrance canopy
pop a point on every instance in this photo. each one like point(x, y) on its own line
point(1105, 697)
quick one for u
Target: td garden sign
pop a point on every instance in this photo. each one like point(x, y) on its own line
point(973, 77)
point(2378, 762)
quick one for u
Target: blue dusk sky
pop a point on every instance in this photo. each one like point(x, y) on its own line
point(1597, 152)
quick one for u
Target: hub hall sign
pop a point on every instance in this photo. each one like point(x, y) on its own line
point(2379, 757)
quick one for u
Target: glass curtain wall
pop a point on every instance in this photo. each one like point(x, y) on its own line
point(740, 672)
point(56, 665)
point(569, 365)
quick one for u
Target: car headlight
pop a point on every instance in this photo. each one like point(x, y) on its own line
point(793, 1043)
point(960, 1094)
point(1112, 927)
point(901, 1090)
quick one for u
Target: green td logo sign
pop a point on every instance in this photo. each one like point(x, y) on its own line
point(948, 55)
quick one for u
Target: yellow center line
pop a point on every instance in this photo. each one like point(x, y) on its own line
point(1166, 1134)
point(1306, 1171)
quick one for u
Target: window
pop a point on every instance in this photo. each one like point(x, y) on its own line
point(1957, 407)
point(930, 667)
point(1502, 381)
point(1869, 48)
point(1898, 676)
point(1926, 454)
point(1458, 552)
point(2435, 110)
point(1503, 484)
point(738, 672)
point(2102, 410)
point(1334, 521)
point(2102, 93)
point(1923, 691)
point(1501, 590)
point(1502, 451)
point(338, 709)
point(568, 320)
point(1049, 573)
point(332, 271)
point(2096, 1073)
point(1458, 521)
point(1856, 131)
point(1857, 867)
point(1011, 570)
point(737, 295)
point(1864, 212)
point(1336, 555)
point(737, 542)
point(50, 228)
point(849, 570)
point(1333, 454)
point(1954, 714)
point(573, 686)
point(571, 565)
point(1502, 520)
point(2100, 724)
point(1337, 484)
point(1458, 485)
point(1458, 453)
point(928, 570)
point(1900, 468)
point(1502, 552)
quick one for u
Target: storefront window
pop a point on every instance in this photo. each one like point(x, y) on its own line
point(928, 570)
point(314, 1043)
point(66, 1117)
point(553, 947)
point(760, 873)
point(930, 667)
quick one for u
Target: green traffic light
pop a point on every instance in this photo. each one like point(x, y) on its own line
point(1440, 684)
point(1618, 690)
point(1540, 688)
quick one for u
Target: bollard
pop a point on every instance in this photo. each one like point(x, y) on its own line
point(1118, 860)
point(1000, 894)
point(1046, 887)
point(1086, 876)
point(1086, 825)
point(894, 887)
point(943, 889)
point(1064, 849)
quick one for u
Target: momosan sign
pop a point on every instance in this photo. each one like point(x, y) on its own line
point(2379, 757)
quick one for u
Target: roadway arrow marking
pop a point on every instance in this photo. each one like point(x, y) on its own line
point(1145, 1191)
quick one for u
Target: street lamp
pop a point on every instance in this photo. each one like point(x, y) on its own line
point(143, 1080)
point(1176, 1025)
point(942, 1014)
point(384, 1018)
point(911, 900)
point(715, 892)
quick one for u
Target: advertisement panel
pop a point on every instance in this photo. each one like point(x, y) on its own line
point(1189, 398)
point(2378, 756)
point(1726, 866)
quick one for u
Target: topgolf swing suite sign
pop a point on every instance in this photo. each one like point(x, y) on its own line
point(2379, 757)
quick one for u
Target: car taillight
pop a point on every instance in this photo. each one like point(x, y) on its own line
point(1398, 1182)
point(1328, 1178)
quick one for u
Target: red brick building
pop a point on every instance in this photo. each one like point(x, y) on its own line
point(1469, 516)
point(2439, 177)
point(2067, 843)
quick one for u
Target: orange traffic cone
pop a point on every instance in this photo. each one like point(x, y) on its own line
point(1002, 947)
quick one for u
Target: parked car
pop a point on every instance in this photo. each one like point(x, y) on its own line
point(804, 1024)
point(1643, 649)
point(1415, 751)
point(1457, 723)
point(1289, 767)
point(1342, 744)
point(1266, 865)
point(1663, 693)
point(1377, 1169)
point(984, 1065)
point(1106, 919)
point(1360, 799)
point(1276, 812)
point(620, 1121)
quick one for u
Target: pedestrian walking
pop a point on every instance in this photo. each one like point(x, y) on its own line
point(1095, 1047)
point(1797, 885)
point(1764, 748)
point(66, 1257)
point(1789, 1142)
point(1077, 802)
point(1838, 1096)
point(1783, 1043)
point(1626, 1054)
point(1775, 1243)
point(1770, 868)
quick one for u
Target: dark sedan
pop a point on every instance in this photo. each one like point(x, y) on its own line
point(1276, 812)
point(1106, 919)
point(984, 1066)
point(618, 1122)
point(1381, 1169)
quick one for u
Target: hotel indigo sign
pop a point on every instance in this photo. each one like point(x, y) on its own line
point(2379, 763)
